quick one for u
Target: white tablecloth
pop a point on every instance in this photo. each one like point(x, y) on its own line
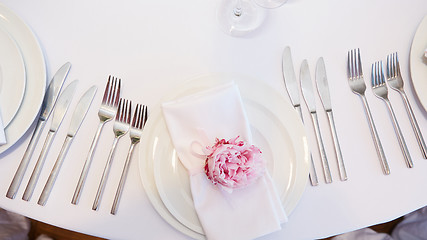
point(156, 45)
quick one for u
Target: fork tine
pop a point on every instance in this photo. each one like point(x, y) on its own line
point(359, 64)
point(396, 60)
point(129, 112)
point(117, 93)
point(119, 110)
point(135, 116)
point(374, 74)
point(349, 68)
point(145, 115)
point(381, 72)
point(107, 90)
point(112, 90)
point(389, 67)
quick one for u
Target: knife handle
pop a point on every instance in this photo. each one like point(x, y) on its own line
point(17, 179)
point(312, 171)
point(340, 161)
point(37, 169)
point(85, 169)
point(376, 138)
point(325, 164)
point(55, 171)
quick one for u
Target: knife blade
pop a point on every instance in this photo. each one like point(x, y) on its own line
point(307, 87)
point(49, 101)
point(323, 89)
point(79, 114)
point(60, 109)
point(81, 110)
point(322, 85)
point(291, 85)
point(308, 95)
point(289, 77)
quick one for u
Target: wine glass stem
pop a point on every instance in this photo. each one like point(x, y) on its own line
point(238, 8)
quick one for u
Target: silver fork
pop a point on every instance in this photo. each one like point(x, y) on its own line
point(379, 88)
point(106, 113)
point(395, 81)
point(120, 128)
point(139, 118)
point(357, 85)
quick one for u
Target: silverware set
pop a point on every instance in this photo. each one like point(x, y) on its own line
point(379, 87)
point(60, 105)
point(112, 107)
point(307, 89)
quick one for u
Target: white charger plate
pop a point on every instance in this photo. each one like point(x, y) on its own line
point(12, 77)
point(418, 63)
point(35, 70)
point(276, 129)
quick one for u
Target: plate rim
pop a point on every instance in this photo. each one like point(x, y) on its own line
point(22, 76)
point(35, 68)
point(414, 63)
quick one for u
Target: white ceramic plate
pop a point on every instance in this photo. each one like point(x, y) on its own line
point(35, 75)
point(418, 63)
point(12, 77)
point(276, 129)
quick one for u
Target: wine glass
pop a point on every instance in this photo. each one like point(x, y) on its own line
point(270, 3)
point(238, 17)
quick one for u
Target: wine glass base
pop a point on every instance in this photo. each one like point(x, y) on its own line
point(236, 23)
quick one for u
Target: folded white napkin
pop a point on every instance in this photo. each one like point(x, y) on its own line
point(245, 213)
point(2, 134)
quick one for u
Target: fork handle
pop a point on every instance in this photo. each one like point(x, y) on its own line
point(122, 180)
point(312, 171)
point(325, 164)
point(375, 137)
point(415, 126)
point(85, 169)
point(400, 138)
point(341, 166)
point(105, 174)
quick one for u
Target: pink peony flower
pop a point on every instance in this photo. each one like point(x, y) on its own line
point(233, 164)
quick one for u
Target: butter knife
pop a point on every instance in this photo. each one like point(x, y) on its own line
point(49, 101)
point(58, 115)
point(323, 89)
point(293, 92)
point(308, 94)
point(77, 119)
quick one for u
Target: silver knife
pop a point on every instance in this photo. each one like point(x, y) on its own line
point(308, 93)
point(49, 101)
point(58, 115)
point(77, 119)
point(293, 92)
point(323, 89)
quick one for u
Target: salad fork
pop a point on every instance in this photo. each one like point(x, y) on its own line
point(358, 86)
point(379, 88)
point(139, 118)
point(120, 128)
point(106, 113)
point(395, 81)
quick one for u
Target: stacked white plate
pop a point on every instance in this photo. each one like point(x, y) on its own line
point(418, 62)
point(22, 76)
point(276, 128)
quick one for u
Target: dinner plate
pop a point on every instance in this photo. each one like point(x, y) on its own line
point(276, 129)
point(12, 77)
point(35, 75)
point(418, 63)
